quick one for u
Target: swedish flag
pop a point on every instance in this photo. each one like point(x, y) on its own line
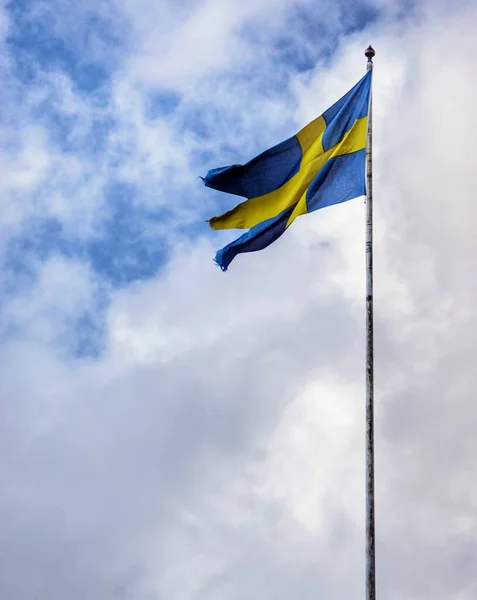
point(321, 165)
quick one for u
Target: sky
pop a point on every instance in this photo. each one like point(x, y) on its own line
point(171, 432)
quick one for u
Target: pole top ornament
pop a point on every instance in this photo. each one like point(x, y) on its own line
point(369, 53)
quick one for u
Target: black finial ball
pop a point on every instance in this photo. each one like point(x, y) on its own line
point(369, 53)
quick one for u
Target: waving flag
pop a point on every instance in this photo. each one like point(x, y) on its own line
point(323, 164)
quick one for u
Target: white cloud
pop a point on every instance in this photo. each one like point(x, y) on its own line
point(216, 448)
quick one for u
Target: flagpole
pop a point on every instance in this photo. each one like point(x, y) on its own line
point(370, 519)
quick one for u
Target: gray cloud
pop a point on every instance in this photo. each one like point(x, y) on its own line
point(216, 448)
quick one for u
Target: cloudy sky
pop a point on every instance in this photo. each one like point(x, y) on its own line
point(171, 432)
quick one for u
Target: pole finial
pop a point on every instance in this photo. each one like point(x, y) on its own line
point(369, 53)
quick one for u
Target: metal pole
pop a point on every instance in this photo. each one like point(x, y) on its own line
point(370, 533)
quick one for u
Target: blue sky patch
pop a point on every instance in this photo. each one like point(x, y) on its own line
point(36, 46)
point(65, 61)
